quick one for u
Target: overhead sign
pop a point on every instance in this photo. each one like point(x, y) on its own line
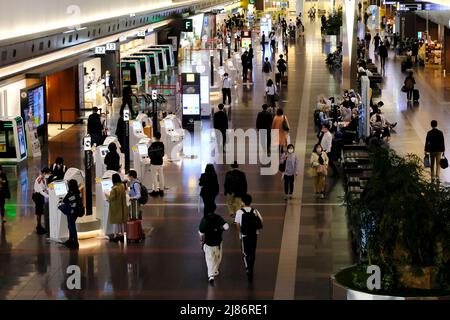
point(188, 25)
point(100, 50)
point(111, 46)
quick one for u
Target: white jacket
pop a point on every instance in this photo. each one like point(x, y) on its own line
point(271, 90)
point(40, 186)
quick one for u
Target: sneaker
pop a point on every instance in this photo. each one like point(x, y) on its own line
point(211, 280)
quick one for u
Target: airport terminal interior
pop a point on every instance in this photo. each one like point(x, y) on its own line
point(111, 115)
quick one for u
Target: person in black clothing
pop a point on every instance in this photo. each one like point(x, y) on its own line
point(383, 53)
point(221, 124)
point(415, 50)
point(4, 193)
point(376, 42)
point(95, 127)
point(109, 84)
point(127, 94)
point(73, 200)
point(120, 132)
point(58, 169)
point(250, 60)
point(235, 188)
point(282, 67)
point(264, 126)
point(435, 146)
point(210, 188)
point(367, 38)
point(112, 159)
point(245, 65)
point(210, 231)
point(156, 154)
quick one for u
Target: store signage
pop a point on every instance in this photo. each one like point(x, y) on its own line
point(124, 38)
point(126, 115)
point(111, 46)
point(100, 50)
point(87, 143)
point(188, 25)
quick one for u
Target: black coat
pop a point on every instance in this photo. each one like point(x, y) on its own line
point(435, 141)
point(112, 161)
point(210, 186)
point(383, 52)
point(264, 120)
point(236, 183)
point(4, 191)
point(94, 126)
point(220, 121)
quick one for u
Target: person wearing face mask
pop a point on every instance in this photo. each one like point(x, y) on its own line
point(40, 197)
point(226, 89)
point(291, 170)
point(319, 164)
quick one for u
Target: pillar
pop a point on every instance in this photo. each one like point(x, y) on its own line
point(299, 7)
point(349, 60)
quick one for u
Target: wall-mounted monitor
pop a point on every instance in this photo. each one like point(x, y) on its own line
point(33, 103)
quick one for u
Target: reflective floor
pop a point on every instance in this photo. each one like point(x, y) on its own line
point(302, 243)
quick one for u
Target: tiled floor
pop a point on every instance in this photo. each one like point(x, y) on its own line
point(301, 245)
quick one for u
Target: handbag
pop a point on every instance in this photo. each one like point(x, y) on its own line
point(444, 162)
point(285, 124)
point(65, 209)
point(404, 89)
point(426, 161)
point(322, 170)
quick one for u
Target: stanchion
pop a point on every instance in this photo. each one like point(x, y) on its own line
point(221, 57)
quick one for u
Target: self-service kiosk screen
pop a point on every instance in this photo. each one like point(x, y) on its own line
point(129, 75)
point(137, 126)
point(160, 60)
point(107, 185)
point(60, 188)
point(104, 151)
point(142, 149)
point(153, 64)
point(191, 104)
point(21, 138)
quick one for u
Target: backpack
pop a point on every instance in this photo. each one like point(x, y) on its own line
point(250, 222)
point(266, 67)
point(317, 117)
point(144, 193)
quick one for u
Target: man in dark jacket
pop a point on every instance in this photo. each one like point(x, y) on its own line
point(156, 154)
point(221, 124)
point(264, 127)
point(95, 127)
point(245, 65)
point(383, 52)
point(235, 188)
point(435, 146)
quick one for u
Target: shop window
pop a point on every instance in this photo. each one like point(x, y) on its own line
point(64, 40)
point(118, 26)
point(4, 55)
point(99, 31)
point(93, 32)
point(109, 29)
point(41, 46)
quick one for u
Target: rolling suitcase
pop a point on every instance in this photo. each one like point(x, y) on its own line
point(134, 231)
point(285, 80)
point(416, 95)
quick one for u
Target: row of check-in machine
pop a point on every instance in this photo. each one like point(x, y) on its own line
point(142, 63)
point(97, 225)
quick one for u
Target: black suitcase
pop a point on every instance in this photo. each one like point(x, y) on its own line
point(416, 95)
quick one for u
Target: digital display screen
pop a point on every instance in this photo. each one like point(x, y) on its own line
point(137, 126)
point(60, 188)
point(21, 137)
point(103, 151)
point(153, 65)
point(169, 125)
point(142, 149)
point(191, 104)
point(36, 105)
point(190, 77)
point(126, 75)
point(161, 60)
point(107, 185)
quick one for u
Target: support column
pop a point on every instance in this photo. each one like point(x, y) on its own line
point(349, 60)
point(299, 8)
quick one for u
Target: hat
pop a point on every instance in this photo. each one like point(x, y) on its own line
point(235, 165)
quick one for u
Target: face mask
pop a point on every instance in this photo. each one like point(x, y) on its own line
point(291, 150)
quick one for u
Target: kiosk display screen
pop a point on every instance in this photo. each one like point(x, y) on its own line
point(191, 104)
point(107, 185)
point(152, 64)
point(142, 149)
point(137, 126)
point(104, 151)
point(60, 188)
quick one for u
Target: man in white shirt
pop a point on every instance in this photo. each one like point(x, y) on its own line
point(327, 144)
point(248, 222)
point(108, 82)
point(226, 89)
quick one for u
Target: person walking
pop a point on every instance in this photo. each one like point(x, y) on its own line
point(226, 89)
point(264, 126)
point(127, 94)
point(271, 92)
point(235, 188)
point(118, 209)
point(435, 147)
point(210, 230)
point(383, 53)
point(319, 165)
point(281, 123)
point(409, 86)
point(245, 65)
point(209, 188)
point(376, 42)
point(220, 122)
point(367, 38)
point(134, 194)
point(58, 169)
point(248, 223)
point(266, 68)
point(263, 42)
point(327, 145)
point(4, 193)
point(40, 197)
point(250, 57)
point(282, 67)
point(272, 41)
point(95, 127)
point(112, 159)
point(291, 170)
point(156, 154)
point(74, 202)
point(108, 82)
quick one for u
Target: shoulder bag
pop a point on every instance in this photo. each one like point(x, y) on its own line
point(285, 124)
point(444, 162)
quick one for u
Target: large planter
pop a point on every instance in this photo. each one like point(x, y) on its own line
point(339, 291)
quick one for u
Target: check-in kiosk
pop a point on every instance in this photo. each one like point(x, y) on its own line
point(103, 189)
point(142, 162)
point(160, 57)
point(168, 51)
point(151, 62)
point(172, 135)
point(13, 147)
point(57, 191)
point(130, 72)
point(146, 123)
point(136, 132)
point(144, 68)
point(190, 99)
